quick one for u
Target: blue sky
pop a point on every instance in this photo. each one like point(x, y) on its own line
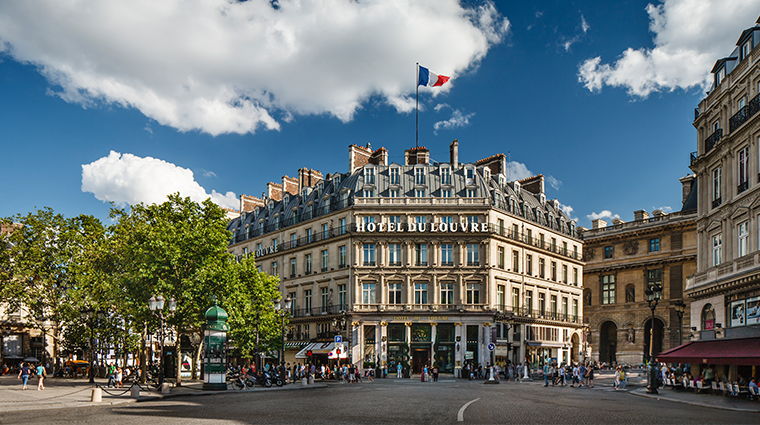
point(214, 98)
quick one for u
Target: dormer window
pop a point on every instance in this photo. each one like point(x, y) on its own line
point(744, 52)
point(517, 188)
point(487, 174)
point(336, 179)
point(542, 198)
point(419, 175)
point(502, 180)
point(469, 172)
point(720, 75)
point(369, 175)
point(445, 175)
point(369, 193)
point(394, 175)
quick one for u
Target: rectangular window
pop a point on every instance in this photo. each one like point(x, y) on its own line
point(564, 306)
point(716, 187)
point(324, 260)
point(420, 254)
point(473, 293)
point(654, 244)
point(500, 226)
point(307, 300)
point(542, 303)
point(469, 172)
point(419, 193)
point(501, 297)
point(292, 296)
point(342, 296)
point(654, 278)
point(541, 268)
point(575, 276)
point(529, 300)
point(554, 270)
point(575, 309)
point(292, 267)
point(419, 176)
point(394, 193)
point(309, 236)
point(420, 293)
point(274, 268)
point(369, 176)
point(541, 240)
point(500, 255)
point(445, 193)
point(394, 293)
point(472, 219)
point(472, 193)
point(564, 274)
point(342, 256)
point(529, 264)
point(369, 193)
point(394, 254)
point(293, 240)
point(515, 298)
point(368, 293)
point(742, 172)
point(608, 252)
point(420, 219)
point(369, 219)
point(394, 176)
point(325, 231)
point(324, 298)
point(447, 293)
point(342, 223)
point(394, 219)
point(529, 236)
point(608, 289)
point(473, 254)
point(307, 264)
point(445, 175)
point(717, 249)
point(447, 254)
point(553, 305)
point(369, 254)
point(447, 219)
point(515, 261)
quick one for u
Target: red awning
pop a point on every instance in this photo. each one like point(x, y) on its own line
point(743, 351)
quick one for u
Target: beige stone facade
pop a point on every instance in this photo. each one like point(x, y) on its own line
point(622, 261)
point(423, 263)
point(726, 286)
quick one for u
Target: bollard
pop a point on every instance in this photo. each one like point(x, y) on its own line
point(165, 388)
point(491, 379)
point(97, 395)
point(304, 381)
point(134, 391)
point(311, 379)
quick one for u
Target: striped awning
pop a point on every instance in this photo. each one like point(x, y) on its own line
point(297, 345)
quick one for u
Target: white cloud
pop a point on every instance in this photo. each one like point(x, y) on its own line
point(129, 179)
point(221, 66)
point(553, 182)
point(457, 120)
point(518, 171)
point(584, 27)
point(207, 173)
point(664, 209)
point(604, 214)
point(689, 36)
point(568, 210)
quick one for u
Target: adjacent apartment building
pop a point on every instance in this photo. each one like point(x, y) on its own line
point(726, 287)
point(622, 261)
point(419, 263)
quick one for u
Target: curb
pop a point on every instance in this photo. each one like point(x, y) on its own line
point(157, 397)
point(68, 405)
point(692, 403)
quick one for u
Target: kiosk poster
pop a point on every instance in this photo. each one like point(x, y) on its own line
point(753, 311)
point(737, 313)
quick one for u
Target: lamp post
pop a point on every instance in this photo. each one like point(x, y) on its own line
point(90, 316)
point(156, 305)
point(282, 307)
point(653, 294)
point(680, 307)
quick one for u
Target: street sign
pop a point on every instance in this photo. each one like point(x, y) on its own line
point(491, 346)
point(338, 338)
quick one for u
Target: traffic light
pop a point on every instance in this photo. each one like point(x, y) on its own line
point(308, 353)
point(338, 351)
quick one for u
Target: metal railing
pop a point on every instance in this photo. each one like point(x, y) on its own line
point(318, 311)
point(713, 139)
point(744, 114)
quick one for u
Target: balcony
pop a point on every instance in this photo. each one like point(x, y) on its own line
point(741, 187)
point(714, 138)
point(316, 311)
point(716, 202)
point(744, 114)
point(692, 158)
point(394, 263)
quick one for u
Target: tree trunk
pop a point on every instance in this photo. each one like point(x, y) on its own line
point(178, 349)
point(197, 358)
point(144, 356)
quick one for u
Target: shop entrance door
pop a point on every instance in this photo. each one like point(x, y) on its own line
point(420, 358)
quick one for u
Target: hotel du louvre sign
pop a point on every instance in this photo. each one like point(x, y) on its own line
point(362, 227)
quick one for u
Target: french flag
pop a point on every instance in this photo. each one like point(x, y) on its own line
point(427, 78)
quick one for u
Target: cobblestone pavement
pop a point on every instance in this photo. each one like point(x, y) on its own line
point(399, 402)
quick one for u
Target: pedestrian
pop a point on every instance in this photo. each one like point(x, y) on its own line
point(111, 375)
point(23, 375)
point(370, 373)
point(398, 370)
point(423, 372)
point(547, 371)
point(435, 373)
point(590, 376)
point(41, 374)
point(119, 376)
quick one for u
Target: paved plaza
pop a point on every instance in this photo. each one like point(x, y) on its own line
point(385, 401)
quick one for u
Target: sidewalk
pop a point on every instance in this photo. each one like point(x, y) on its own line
point(739, 404)
point(68, 393)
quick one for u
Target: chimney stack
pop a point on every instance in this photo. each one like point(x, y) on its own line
point(598, 224)
point(686, 183)
point(454, 154)
point(640, 215)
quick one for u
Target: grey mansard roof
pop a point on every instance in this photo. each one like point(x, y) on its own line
point(340, 190)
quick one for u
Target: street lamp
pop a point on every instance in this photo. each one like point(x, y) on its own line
point(90, 316)
point(680, 307)
point(156, 306)
point(282, 308)
point(653, 294)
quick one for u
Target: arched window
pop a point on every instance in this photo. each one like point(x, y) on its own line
point(708, 317)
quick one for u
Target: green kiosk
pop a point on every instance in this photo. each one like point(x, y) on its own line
point(215, 352)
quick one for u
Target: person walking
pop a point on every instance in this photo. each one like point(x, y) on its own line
point(435, 373)
point(41, 374)
point(398, 370)
point(23, 375)
point(547, 370)
point(590, 375)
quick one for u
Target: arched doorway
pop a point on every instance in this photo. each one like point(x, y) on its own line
point(607, 342)
point(658, 335)
point(574, 349)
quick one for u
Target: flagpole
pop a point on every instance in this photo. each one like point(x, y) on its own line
point(417, 108)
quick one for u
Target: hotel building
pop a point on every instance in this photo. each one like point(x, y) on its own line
point(419, 263)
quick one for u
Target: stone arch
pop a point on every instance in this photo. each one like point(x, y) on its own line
point(707, 318)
